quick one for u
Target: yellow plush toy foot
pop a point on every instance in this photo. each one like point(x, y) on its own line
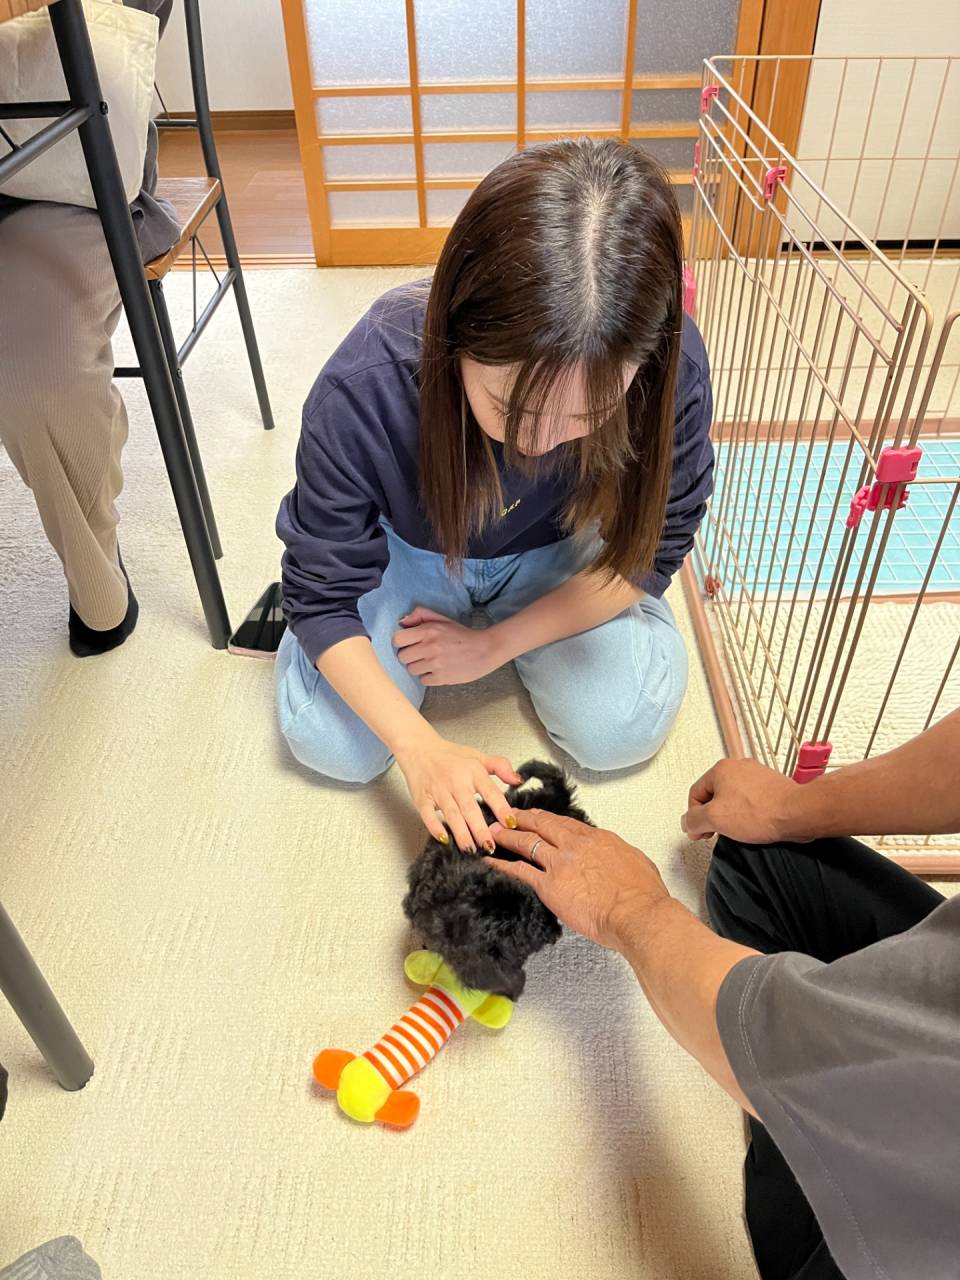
point(369, 1087)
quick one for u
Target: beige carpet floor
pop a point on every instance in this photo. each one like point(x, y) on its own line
point(211, 916)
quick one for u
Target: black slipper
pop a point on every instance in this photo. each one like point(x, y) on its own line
point(85, 642)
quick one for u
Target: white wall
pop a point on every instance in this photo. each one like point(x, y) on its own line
point(911, 28)
point(883, 137)
point(245, 55)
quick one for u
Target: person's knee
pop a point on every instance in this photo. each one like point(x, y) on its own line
point(631, 735)
point(604, 746)
point(738, 880)
point(727, 856)
point(334, 756)
point(320, 730)
point(727, 850)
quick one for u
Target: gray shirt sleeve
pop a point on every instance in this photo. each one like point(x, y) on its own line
point(854, 1069)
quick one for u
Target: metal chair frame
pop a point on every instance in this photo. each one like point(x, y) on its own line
point(232, 279)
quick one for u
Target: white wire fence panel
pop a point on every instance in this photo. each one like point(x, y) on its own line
point(827, 295)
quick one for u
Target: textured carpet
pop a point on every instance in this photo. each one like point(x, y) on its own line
point(211, 916)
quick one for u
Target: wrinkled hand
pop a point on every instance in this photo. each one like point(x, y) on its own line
point(440, 651)
point(447, 776)
point(741, 799)
point(593, 881)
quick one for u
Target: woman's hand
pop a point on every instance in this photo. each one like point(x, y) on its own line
point(440, 651)
point(590, 879)
point(444, 775)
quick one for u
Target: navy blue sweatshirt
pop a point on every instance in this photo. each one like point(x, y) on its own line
point(357, 462)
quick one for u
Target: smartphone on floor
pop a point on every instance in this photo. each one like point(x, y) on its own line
point(259, 634)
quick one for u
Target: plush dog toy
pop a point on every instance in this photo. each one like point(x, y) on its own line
point(370, 1087)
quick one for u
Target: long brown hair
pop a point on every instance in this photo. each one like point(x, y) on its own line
point(567, 256)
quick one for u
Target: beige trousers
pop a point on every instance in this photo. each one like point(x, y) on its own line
point(62, 420)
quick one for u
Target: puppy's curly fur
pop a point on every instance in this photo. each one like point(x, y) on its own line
point(482, 922)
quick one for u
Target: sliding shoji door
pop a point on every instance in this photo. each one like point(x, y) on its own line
point(403, 105)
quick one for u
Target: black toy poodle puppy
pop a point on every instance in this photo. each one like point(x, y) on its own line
point(483, 923)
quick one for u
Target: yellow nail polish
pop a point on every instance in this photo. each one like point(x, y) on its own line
point(444, 839)
point(512, 822)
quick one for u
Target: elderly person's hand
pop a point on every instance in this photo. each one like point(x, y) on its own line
point(591, 879)
point(613, 894)
point(746, 801)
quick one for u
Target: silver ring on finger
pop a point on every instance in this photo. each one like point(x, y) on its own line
point(536, 846)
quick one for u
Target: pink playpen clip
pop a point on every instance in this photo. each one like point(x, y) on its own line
point(772, 178)
point(894, 467)
point(812, 761)
point(708, 92)
point(689, 290)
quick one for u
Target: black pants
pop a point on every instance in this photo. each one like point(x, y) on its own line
point(825, 899)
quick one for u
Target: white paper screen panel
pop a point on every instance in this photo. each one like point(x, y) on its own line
point(395, 161)
point(675, 37)
point(574, 109)
point(575, 38)
point(353, 43)
point(364, 115)
point(672, 153)
point(464, 159)
point(442, 112)
point(372, 208)
point(660, 105)
point(466, 39)
point(443, 206)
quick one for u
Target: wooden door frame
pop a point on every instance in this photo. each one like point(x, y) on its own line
point(763, 26)
point(768, 27)
point(776, 92)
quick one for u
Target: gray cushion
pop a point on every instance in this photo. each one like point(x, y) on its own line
point(60, 1259)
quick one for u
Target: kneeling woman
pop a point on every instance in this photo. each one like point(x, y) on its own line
point(527, 435)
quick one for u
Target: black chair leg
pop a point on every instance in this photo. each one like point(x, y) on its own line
point(243, 308)
point(186, 418)
point(201, 102)
point(80, 72)
point(37, 1008)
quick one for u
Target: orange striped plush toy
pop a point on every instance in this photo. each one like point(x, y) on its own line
point(370, 1087)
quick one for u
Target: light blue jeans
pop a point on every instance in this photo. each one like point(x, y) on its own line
point(607, 697)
